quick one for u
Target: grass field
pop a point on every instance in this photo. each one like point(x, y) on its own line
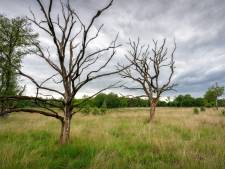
point(121, 139)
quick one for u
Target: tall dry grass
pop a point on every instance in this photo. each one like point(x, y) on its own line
point(121, 139)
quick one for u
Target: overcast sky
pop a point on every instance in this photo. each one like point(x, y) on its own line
point(197, 26)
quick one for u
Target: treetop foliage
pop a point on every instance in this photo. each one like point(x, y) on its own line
point(16, 38)
point(213, 93)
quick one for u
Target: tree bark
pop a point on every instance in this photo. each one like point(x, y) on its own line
point(153, 105)
point(65, 128)
point(217, 104)
point(65, 131)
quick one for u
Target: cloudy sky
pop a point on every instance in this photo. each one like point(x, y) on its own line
point(197, 26)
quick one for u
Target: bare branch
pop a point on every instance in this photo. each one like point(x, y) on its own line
point(143, 73)
point(31, 111)
point(38, 86)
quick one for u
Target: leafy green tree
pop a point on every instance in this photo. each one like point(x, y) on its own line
point(104, 105)
point(185, 101)
point(123, 102)
point(162, 104)
point(199, 102)
point(112, 100)
point(137, 102)
point(213, 93)
point(221, 102)
point(99, 99)
point(16, 39)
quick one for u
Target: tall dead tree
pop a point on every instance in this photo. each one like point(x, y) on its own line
point(146, 71)
point(75, 64)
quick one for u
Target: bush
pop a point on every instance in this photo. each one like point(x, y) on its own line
point(223, 112)
point(208, 105)
point(202, 108)
point(103, 110)
point(96, 111)
point(195, 111)
point(86, 110)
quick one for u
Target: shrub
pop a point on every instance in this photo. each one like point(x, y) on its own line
point(103, 110)
point(223, 112)
point(195, 111)
point(208, 105)
point(86, 110)
point(202, 108)
point(96, 111)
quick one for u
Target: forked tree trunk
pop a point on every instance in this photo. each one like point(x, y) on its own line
point(153, 105)
point(65, 131)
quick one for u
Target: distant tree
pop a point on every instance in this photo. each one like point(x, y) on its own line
point(99, 99)
point(221, 102)
point(74, 61)
point(146, 71)
point(213, 93)
point(188, 101)
point(112, 100)
point(162, 104)
point(134, 102)
point(185, 101)
point(199, 102)
point(16, 39)
point(104, 105)
point(123, 102)
point(179, 100)
point(137, 102)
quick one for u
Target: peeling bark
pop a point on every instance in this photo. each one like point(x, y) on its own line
point(65, 131)
point(153, 105)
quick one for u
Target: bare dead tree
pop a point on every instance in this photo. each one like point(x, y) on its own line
point(75, 65)
point(146, 71)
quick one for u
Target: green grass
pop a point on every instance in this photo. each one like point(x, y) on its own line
point(121, 139)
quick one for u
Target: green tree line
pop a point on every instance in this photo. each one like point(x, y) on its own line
point(112, 100)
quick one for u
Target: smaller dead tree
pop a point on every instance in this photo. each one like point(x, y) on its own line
point(149, 71)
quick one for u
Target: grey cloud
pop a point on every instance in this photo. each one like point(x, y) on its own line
point(197, 26)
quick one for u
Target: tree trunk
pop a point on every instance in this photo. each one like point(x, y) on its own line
point(153, 105)
point(65, 131)
point(217, 104)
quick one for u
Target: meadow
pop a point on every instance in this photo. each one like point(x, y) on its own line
point(120, 139)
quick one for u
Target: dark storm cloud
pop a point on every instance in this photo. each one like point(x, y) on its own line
point(197, 26)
